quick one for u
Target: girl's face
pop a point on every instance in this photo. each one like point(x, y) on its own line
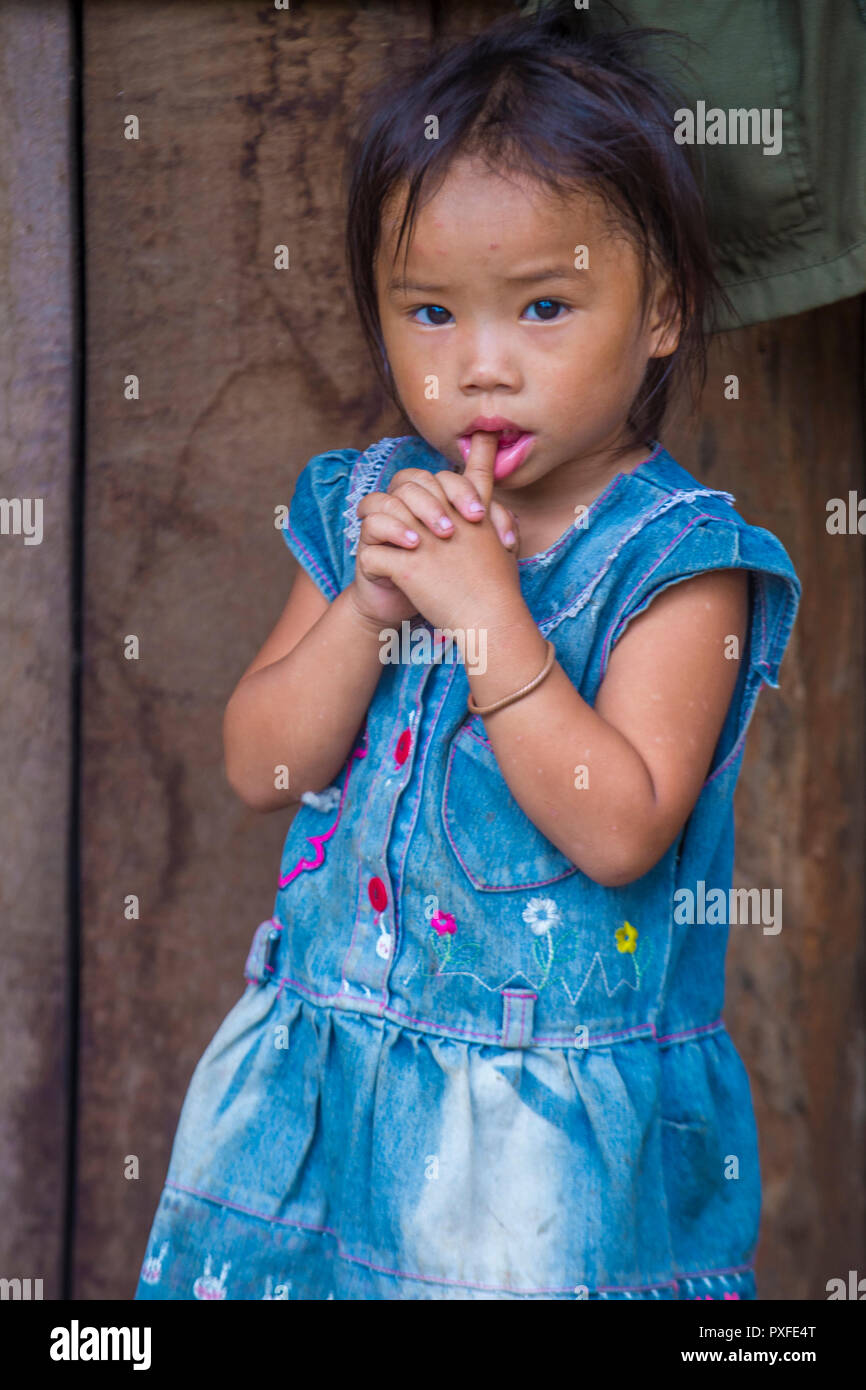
point(494, 323)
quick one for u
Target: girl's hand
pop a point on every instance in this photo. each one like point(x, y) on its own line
point(460, 584)
point(424, 497)
point(415, 495)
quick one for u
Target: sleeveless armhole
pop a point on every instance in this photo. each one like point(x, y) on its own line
point(709, 543)
point(315, 530)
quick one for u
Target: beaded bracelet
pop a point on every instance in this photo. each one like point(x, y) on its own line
point(524, 690)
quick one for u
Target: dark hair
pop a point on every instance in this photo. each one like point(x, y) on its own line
point(571, 108)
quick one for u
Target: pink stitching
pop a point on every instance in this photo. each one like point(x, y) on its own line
point(749, 702)
point(361, 833)
point(359, 889)
point(611, 487)
point(641, 1030)
point(395, 895)
point(311, 559)
point(700, 516)
point(762, 612)
point(255, 979)
point(717, 1023)
point(718, 1273)
point(637, 1030)
point(427, 1278)
point(485, 887)
point(470, 732)
point(737, 748)
point(446, 691)
point(318, 840)
point(508, 995)
point(750, 698)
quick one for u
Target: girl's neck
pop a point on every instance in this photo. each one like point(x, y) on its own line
point(546, 510)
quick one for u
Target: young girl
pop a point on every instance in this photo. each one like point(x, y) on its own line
point(480, 1052)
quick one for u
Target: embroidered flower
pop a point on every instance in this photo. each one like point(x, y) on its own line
point(444, 923)
point(451, 948)
point(207, 1286)
point(152, 1271)
point(626, 937)
point(541, 915)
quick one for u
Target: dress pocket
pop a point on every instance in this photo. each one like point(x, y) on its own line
point(493, 840)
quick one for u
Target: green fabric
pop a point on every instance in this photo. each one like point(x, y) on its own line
point(790, 228)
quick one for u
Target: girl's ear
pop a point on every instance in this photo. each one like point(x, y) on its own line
point(665, 322)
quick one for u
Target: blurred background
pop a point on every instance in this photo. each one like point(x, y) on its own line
point(131, 877)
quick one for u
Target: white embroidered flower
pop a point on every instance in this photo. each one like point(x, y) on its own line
point(541, 915)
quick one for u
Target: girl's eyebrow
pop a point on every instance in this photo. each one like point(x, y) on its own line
point(531, 277)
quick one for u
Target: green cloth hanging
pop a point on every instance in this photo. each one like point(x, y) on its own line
point(789, 228)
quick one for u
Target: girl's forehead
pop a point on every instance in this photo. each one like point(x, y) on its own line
point(492, 226)
point(471, 197)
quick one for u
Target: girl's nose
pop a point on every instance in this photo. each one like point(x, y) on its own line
point(488, 363)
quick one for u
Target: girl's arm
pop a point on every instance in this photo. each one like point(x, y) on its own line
point(303, 699)
point(648, 741)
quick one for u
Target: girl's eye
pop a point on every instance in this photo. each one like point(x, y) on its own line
point(545, 307)
point(433, 309)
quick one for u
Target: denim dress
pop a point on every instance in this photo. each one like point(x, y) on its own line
point(460, 1068)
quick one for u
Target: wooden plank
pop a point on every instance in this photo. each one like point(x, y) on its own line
point(245, 373)
point(794, 1002)
point(37, 407)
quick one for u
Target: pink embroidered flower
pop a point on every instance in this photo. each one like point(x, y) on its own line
point(444, 923)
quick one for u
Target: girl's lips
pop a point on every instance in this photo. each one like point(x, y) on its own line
point(508, 457)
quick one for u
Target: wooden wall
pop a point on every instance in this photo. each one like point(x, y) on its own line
point(39, 462)
point(164, 505)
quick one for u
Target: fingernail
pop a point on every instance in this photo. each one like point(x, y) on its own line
point(476, 507)
point(444, 524)
point(509, 538)
point(411, 535)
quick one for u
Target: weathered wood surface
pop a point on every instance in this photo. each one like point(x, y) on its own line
point(795, 1001)
point(38, 248)
point(246, 372)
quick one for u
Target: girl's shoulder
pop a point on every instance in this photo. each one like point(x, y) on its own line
point(697, 506)
point(678, 527)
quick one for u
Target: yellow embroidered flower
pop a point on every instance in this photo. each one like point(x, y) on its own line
point(626, 937)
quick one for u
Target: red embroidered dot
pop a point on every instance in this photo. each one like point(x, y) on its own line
point(404, 743)
point(378, 895)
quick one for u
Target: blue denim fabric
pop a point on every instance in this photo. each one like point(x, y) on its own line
point(460, 1068)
